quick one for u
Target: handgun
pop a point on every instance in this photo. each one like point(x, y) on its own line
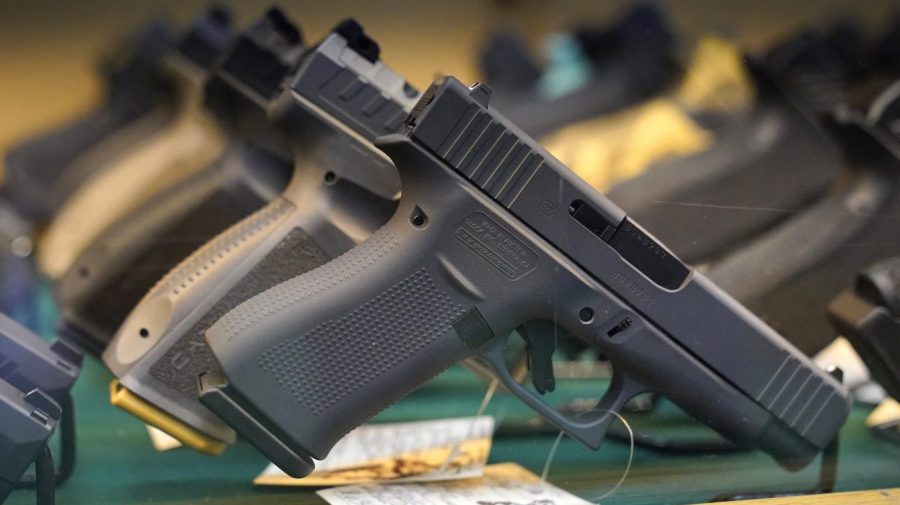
point(833, 178)
point(29, 419)
point(191, 141)
point(868, 315)
point(339, 100)
point(43, 171)
point(628, 62)
point(109, 278)
point(729, 188)
point(28, 362)
point(802, 264)
point(492, 232)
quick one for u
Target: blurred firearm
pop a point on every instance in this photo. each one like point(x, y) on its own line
point(340, 98)
point(42, 172)
point(868, 315)
point(190, 141)
point(109, 278)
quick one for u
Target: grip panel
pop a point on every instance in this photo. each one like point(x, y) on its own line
point(42, 172)
point(283, 296)
point(194, 267)
point(295, 254)
point(356, 334)
point(187, 146)
point(407, 317)
point(41, 159)
point(133, 263)
point(185, 275)
point(156, 354)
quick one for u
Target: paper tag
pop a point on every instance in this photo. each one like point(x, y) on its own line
point(885, 415)
point(502, 484)
point(161, 440)
point(839, 352)
point(420, 451)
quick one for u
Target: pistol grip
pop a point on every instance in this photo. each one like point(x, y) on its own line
point(316, 356)
point(113, 275)
point(93, 294)
point(43, 171)
point(44, 154)
point(170, 157)
point(159, 351)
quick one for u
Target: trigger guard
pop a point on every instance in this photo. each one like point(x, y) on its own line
point(588, 427)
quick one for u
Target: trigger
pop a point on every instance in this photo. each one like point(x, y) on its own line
point(540, 342)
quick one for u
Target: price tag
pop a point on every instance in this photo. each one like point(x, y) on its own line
point(161, 440)
point(420, 451)
point(503, 484)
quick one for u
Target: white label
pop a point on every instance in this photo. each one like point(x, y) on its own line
point(161, 440)
point(415, 451)
point(503, 484)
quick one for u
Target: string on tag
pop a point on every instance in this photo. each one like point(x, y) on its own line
point(552, 454)
point(488, 396)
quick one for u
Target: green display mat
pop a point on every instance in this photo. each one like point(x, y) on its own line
point(117, 465)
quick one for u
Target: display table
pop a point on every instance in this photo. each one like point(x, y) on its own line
point(118, 466)
point(874, 497)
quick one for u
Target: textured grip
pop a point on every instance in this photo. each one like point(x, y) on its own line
point(135, 265)
point(407, 317)
point(193, 267)
point(297, 253)
point(342, 341)
point(159, 352)
point(88, 313)
point(296, 290)
point(207, 219)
